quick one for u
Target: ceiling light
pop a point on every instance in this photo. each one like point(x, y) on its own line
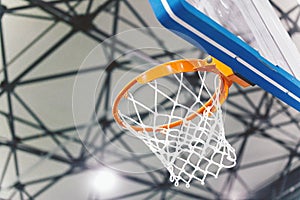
point(105, 181)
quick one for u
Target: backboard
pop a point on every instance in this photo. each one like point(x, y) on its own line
point(245, 35)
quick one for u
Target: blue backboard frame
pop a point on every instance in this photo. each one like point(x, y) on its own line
point(200, 30)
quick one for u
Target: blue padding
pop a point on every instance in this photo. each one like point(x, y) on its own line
point(235, 49)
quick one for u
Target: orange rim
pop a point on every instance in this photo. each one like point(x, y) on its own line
point(174, 67)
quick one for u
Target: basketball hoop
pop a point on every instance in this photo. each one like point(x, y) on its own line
point(191, 144)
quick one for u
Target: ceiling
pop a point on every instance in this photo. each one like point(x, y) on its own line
point(62, 65)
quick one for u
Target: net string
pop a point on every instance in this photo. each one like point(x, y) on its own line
point(194, 149)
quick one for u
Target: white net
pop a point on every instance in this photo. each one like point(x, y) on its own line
point(192, 150)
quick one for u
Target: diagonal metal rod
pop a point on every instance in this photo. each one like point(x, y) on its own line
point(89, 6)
point(33, 42)
point(5, 167)
point(30, 111)
point(32, 150)
point(31, 6)
point(40, 59)
point(32, 16)
point(10, 107)
point(21, 120)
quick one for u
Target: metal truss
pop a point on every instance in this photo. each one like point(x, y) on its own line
point(36, 154)
point(289, 16)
